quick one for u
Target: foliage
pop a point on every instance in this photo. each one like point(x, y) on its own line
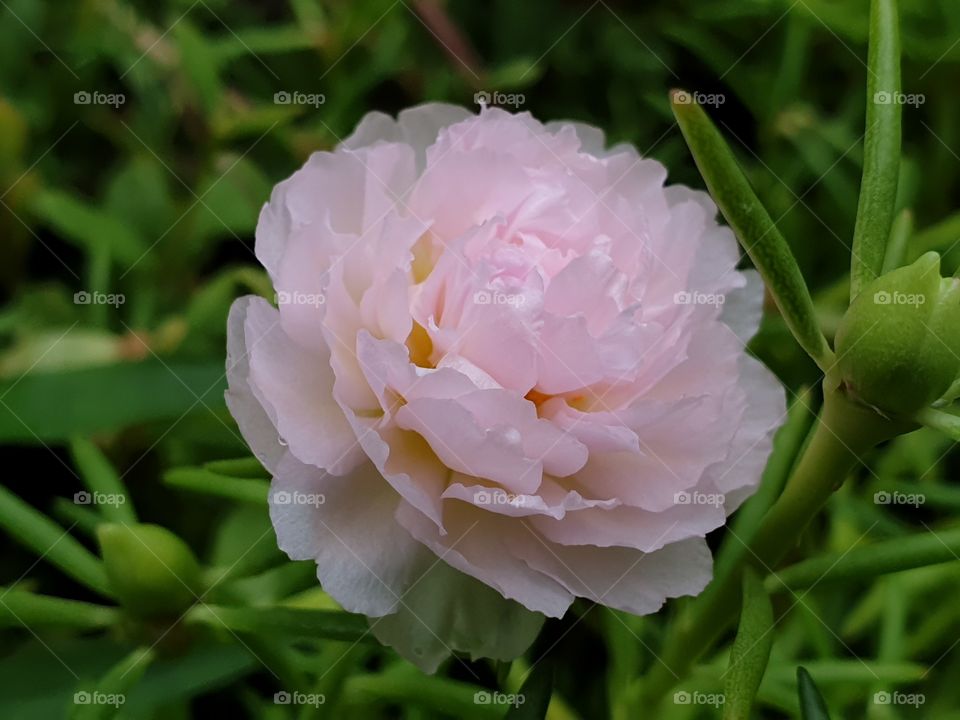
point(138, 142)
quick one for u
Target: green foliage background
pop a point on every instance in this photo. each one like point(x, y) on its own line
point(157, 199)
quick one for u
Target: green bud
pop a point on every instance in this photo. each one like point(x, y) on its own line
point(151, 570)
point(898, 346)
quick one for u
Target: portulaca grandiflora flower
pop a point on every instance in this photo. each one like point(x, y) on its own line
point(506, 369)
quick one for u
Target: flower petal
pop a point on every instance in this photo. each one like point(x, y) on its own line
point(295, 388)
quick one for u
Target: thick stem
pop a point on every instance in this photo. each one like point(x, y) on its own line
point(842, 434)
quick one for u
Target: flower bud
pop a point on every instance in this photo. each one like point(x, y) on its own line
point(898, 346)
point(151, 570)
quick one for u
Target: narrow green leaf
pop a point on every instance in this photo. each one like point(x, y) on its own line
point(278, 39)
point(881, 158)
point(753, 226)
point(309, 14)
point(339, 666)
point(199, 64)
point(80, 517)
point(536, 692)
point(287, 621)
point(751, 649)
point(106, 491)
point(88, 227)
point(203, 668)
point(812, 705)
point(244, 544)
point(246, 467)
point(625, 655)
point(51, 542)
point(203, 481)
point(940, 237)
point(109, 696)
point(406, 687)
point(869, 561)
point(232, 192)
point(930, 495)
point(53, 407)
point(853, 672)
point(893, 628)
point(18, 608)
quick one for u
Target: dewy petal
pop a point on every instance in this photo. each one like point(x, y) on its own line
point(743, 307)
point(255, 424)
point(561, 454)
point(551, 499)
point(295, 388)
point(454, 435)
point(523, 352)
point(738, 475)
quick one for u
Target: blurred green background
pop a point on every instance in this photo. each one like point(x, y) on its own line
point(138, 141)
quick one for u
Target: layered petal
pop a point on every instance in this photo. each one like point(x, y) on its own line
point(507, 370)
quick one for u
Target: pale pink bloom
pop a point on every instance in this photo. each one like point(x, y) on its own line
point(511, 362)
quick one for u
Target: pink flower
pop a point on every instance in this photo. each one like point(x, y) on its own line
point(507, 370)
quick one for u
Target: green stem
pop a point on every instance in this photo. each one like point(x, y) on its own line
point(843, 432)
